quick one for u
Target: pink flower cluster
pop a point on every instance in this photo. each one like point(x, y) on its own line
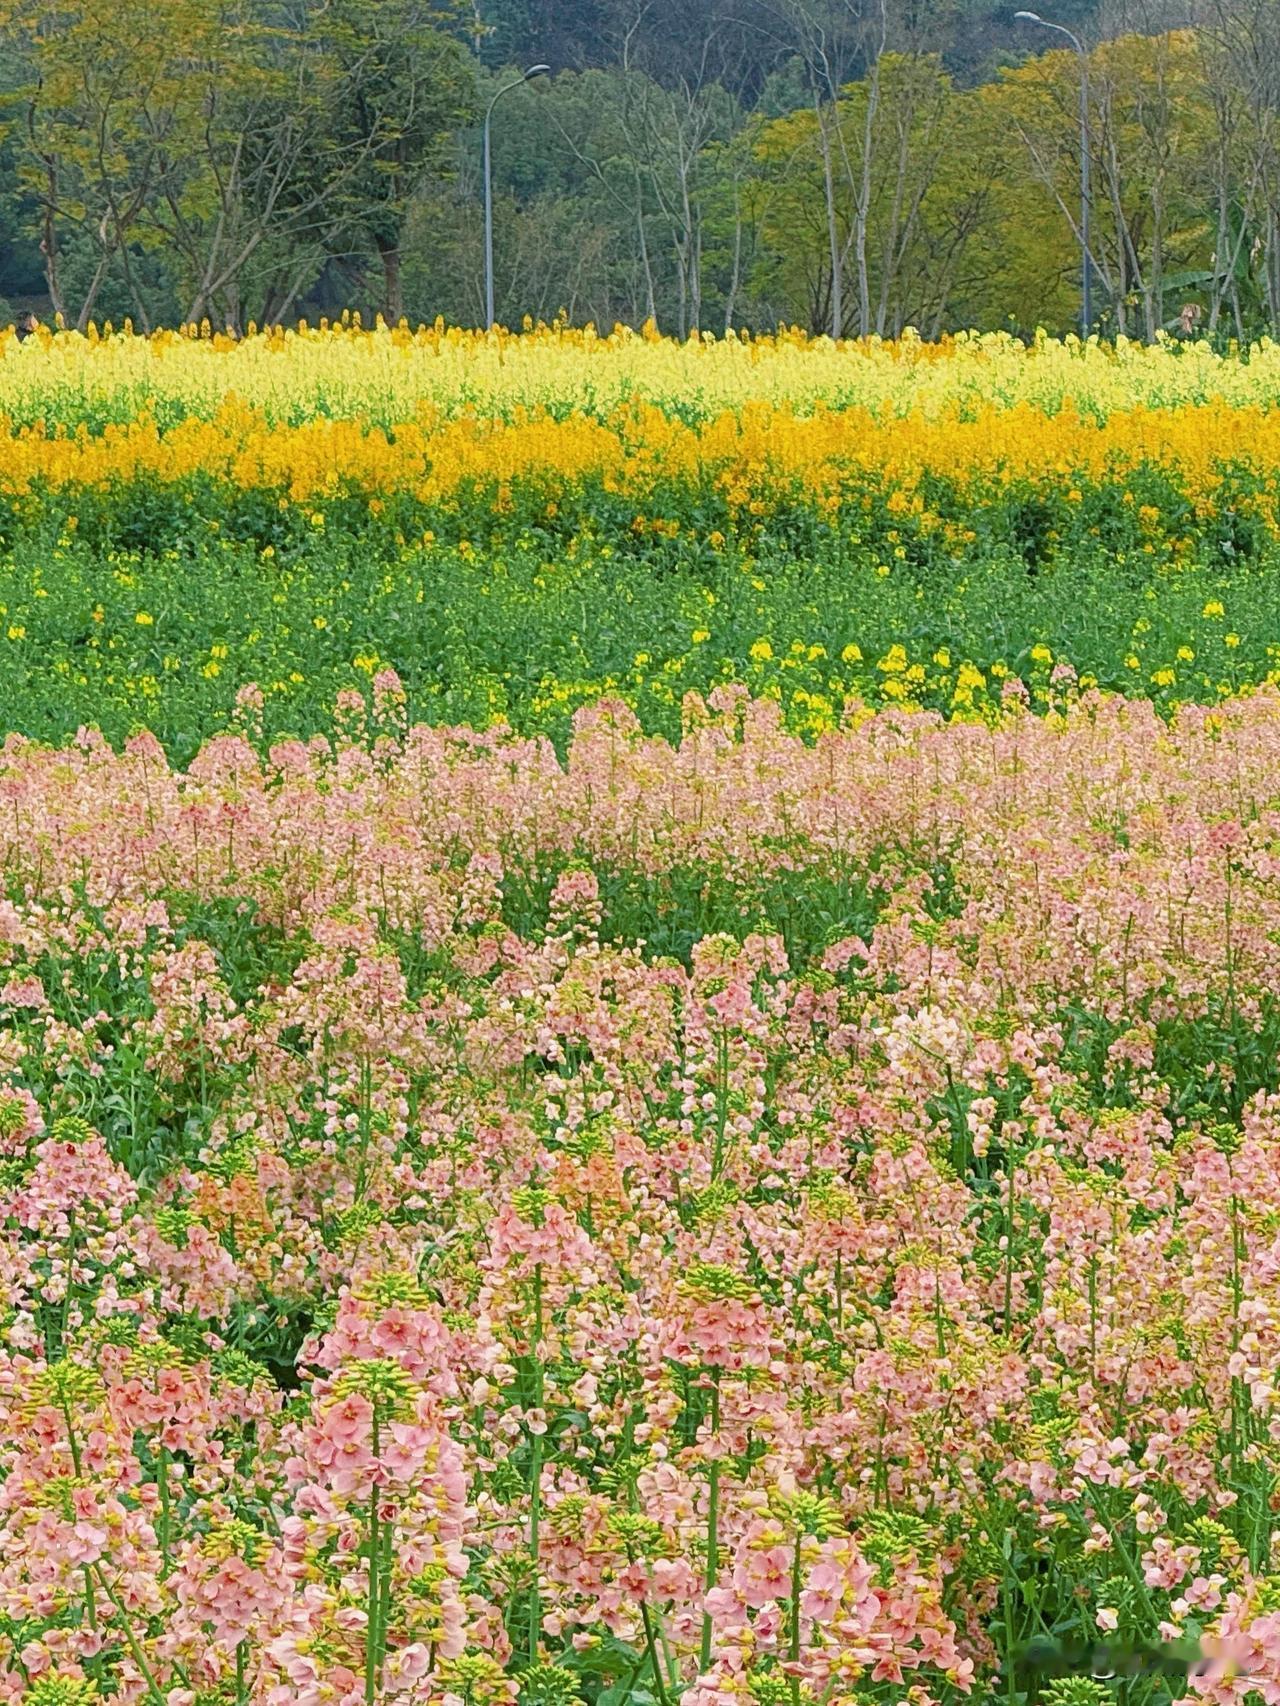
point(418, 1285)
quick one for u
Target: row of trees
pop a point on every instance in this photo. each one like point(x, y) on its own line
point(214, 158)
point(810, 161)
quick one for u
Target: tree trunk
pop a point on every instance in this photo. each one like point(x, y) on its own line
point(862, 212)
point(735, 276)
point(91, 295)
point(836, 326)
point(392, 290)
point(139, 306)
point(650, 298)
point(49, 248)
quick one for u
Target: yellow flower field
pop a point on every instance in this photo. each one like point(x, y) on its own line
point(522, 524)
point(387, 375)
point(753, 455)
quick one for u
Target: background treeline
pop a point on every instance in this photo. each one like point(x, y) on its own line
point(852, 166)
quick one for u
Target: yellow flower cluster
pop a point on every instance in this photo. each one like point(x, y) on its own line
point(754, 455)
point(301, 508)
point(388, 375)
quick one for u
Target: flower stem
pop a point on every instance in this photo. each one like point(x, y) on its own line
point(139, 1657)
point(713, 1525)
point(535, 1473)
point(794, 1651)
point(375, 1586)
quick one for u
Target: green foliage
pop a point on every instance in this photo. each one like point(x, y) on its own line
point(157, 603)
point(405, 85)
point(737, 164)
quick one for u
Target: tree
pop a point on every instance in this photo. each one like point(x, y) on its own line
point(1149, 134)
point(103, 91)
point(912, 193)
point(403, 87)
point(248, 141)
point(251, 171)
point(161, 123)
point(669, 131)
point(1239, 73)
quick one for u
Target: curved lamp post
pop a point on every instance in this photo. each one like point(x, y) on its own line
point(1086, 259)
point(516, 83)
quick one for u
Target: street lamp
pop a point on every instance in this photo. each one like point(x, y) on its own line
point(524, 77)
point(1086, 259)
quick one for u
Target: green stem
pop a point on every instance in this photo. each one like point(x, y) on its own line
point(1008, 1254)
point(722, 1104)
point(384, 1607)
point(1093, 1319)
point(90, 1602)
point(66, 1301)
point(535, 1473)
point(713, 1524)
point(162, 1483)
point(366, 1128)
point(139, 1657)
point(1007, 1601)
point(651, 1647)
point(375, 1594)
point(71, 1438)
point(794, 1650)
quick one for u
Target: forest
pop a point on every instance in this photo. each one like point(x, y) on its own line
point(855, 167)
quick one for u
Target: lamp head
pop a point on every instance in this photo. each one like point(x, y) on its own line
point(1027, 18)
point(537, 71)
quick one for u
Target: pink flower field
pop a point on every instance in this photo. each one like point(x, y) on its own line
point(749, 1221)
